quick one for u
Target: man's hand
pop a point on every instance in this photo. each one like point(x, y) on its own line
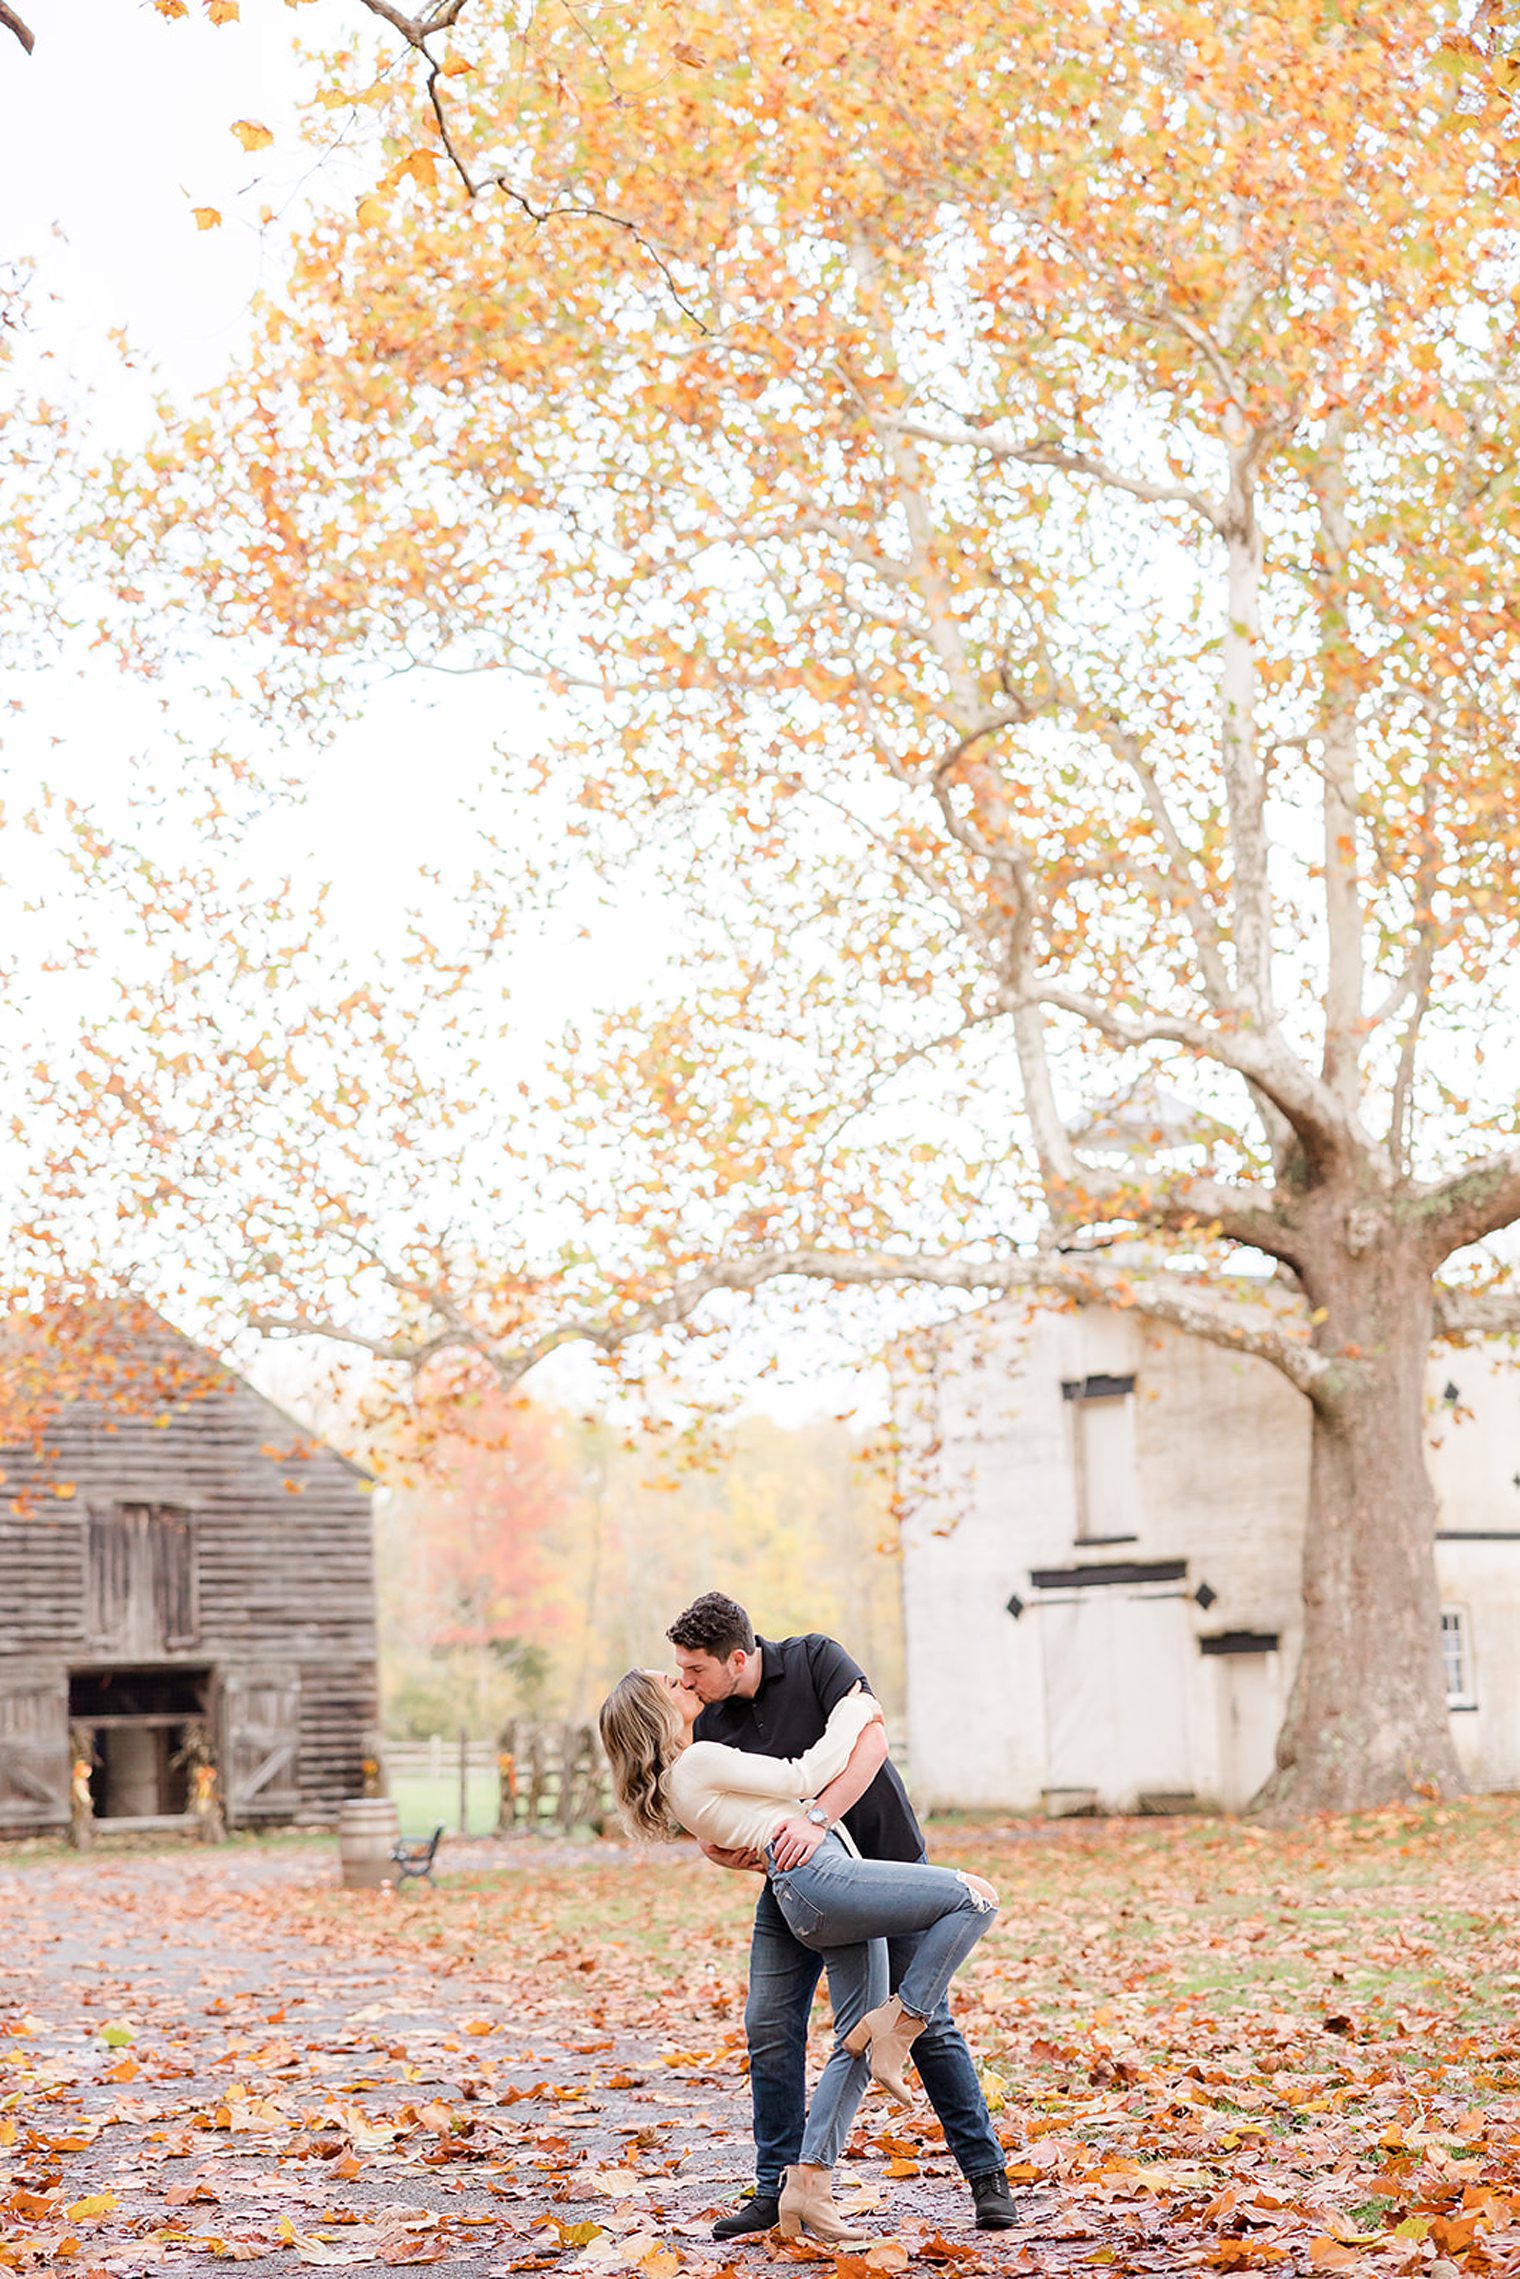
point(721, 1856)
point(795, 1841)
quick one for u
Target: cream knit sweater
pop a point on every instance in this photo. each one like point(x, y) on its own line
point(729, 1797)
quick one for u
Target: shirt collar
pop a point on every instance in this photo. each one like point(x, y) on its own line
point(772, 1663)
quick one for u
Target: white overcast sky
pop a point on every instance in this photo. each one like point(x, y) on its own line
point(111, 133)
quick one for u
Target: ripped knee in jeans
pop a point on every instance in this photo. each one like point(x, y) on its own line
point(980, 1889)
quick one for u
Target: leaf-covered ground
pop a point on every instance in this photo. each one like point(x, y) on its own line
point(1208, 2048)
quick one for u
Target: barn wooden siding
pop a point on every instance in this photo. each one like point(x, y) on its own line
point(209, 1535)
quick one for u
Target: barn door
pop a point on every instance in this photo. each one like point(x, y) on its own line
point(140, 1593)
point(1116, 1710)
point(1154, 1651)
point(34, 1755)
point(261, 1739)
point(1081, 1702)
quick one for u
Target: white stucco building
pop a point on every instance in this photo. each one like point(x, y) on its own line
point(1101, 1563)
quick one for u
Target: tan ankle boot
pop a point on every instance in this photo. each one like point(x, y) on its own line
point(807, 2205)
point(888, 2033)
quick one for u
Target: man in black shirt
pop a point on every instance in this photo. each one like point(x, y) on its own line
point(774, 1697)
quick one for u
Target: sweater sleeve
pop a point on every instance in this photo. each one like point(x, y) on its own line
point(710, 1768)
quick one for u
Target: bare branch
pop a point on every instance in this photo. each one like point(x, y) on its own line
point(1196, 1308)
point(1473, 1202)
point(1185, 894)
point(1047, 452)
point(415, 30)
point(1477, 1313)
point(1198, 1204)
point(405, 1352)
point(12, 23)
point(1313, 1111)
point(1344, 1034)
point(1239, 692)
point(1421, 971)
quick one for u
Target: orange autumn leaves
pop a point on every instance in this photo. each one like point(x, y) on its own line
point(1214, 2050)
point(1007, 509)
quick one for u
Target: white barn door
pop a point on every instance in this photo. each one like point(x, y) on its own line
point(1116, 1694)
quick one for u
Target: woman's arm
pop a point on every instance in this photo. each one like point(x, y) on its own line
point(741, 1772)
point(797, 1838)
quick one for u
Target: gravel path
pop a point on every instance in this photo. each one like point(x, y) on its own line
point(187, 2078)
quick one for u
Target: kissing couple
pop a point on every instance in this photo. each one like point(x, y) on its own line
point(774, 1756)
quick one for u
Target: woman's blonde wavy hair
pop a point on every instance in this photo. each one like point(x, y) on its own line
point(639, 1730)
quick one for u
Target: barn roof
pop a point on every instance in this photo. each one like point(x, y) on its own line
point(115, 1362)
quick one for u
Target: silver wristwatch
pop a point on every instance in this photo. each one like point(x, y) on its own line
point(818, 1816)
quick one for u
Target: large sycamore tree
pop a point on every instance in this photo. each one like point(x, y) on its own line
point(1016, 508)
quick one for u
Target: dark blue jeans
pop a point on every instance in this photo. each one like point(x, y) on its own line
point(782, 1979)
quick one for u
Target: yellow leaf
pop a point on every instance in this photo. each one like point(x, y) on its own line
point(222, 11)
point(251, 135)
point(97, 2204)
point(372, 213)
point(422, 167)
point(207, 217)
point(65, 1490)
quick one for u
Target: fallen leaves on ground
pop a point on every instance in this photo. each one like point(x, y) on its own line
point(1208, 2049)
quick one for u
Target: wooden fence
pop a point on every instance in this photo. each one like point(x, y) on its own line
point(550, 1778)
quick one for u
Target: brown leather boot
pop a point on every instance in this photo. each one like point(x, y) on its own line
point(887, 2033)
point(807, 2205)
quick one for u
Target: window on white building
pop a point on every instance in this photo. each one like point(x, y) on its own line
point(1104, 1465)
point(1456, 1656)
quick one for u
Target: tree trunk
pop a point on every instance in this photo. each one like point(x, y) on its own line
point(1366, 1722)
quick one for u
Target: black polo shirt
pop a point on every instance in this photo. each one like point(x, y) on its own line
point(801, 1680)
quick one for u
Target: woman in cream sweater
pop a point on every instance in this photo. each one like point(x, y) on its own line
point(841, 1906)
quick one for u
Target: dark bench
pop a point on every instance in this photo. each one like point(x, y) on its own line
point(415, 1857)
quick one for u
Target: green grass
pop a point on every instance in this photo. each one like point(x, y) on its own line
point(423, 1801)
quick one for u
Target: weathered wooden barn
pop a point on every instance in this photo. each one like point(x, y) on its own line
point(185, 1577)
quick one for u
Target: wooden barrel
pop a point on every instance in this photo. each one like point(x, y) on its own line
point(367, 1828)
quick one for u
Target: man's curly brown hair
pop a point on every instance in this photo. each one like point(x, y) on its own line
point(713, 1624)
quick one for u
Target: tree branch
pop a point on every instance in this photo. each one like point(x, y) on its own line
point(1195, 1309)
point(1249, 1215)
point(1046, 452)
point(1477, 1313)
point(416, 30)
point(12, 23)
point(1473, 1202)
point(1185, 894)
point(1309, 1106)
point(1345, 980)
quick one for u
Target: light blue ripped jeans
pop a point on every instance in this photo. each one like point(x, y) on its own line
point(845, 1909)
